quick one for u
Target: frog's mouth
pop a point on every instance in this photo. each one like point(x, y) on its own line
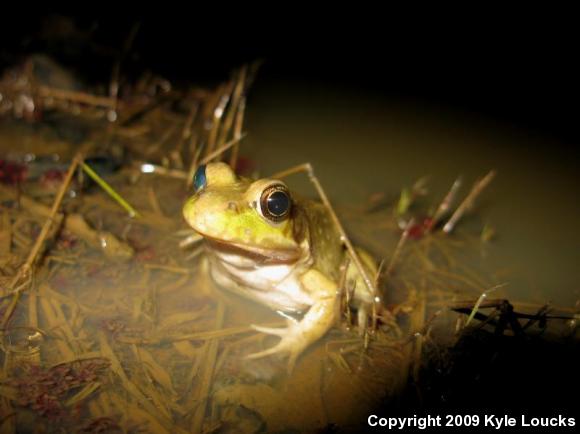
point(257, 254)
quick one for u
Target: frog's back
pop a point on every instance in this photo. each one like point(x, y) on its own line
point(325, 245)
point(329, 253)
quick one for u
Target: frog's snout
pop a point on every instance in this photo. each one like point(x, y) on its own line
point(191, 211)
point(207, 215)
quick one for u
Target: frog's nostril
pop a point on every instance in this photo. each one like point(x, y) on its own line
point(232, 206)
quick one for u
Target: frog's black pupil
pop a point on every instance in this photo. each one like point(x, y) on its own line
point(278, 203)
point(199, 179)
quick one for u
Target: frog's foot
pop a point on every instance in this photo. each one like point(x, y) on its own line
point(321, 316)
point(293, 342)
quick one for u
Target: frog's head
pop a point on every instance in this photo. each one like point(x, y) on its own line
point(256, 217)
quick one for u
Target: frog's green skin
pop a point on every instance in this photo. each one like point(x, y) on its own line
point(291, 266)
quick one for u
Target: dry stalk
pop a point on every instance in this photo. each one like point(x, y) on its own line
point(217, 115)
point(181, 174)
point(207, 375)
point(222, 149)
point(77, 97)
point(344, 291)
point(186, 132)
point(445, 204)
point(238, 132)
point(26, 267)
point(234, 106)
point(399, 248)
point(478, 187)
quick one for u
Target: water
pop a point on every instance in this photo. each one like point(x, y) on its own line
point(359, 144)
point(145, 319)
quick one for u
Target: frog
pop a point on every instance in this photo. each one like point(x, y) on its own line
point(278, 249)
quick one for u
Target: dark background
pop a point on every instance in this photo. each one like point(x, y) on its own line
point(509, 66)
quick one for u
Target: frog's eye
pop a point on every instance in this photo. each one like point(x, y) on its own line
point(199, 179)
point(275, 202)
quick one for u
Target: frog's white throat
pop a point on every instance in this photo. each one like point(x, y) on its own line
point(268, 279)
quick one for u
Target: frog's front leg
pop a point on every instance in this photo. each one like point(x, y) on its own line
point(318, 320)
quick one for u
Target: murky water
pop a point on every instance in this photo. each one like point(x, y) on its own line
point(172, 347)
point(359, 144)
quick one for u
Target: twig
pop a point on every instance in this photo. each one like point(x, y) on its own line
point(186, 132)
point(78, 97)
point(25, 268)
point(222, 149)
point(236, 97)
point(116, 72)
point(207, 374)
point(188, 125)
point(221, 333)
point(33, 309)
point(160, 170)
point(195, 164)
point(84, 393)
point(51, 318)
point(344, 238)
point(180, 174)
point(458, 277)
point(238, 132)
point(344, 290)
point(374, 307)
point(419, 337)
point(218, 113)
point(154, 201)
point(109, 190)
point(445, 204)
point(399, 247)
point(468, 202)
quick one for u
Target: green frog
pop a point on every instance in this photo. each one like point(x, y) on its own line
point(281, 251)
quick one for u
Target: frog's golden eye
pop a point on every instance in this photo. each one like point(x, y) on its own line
point(275, 202)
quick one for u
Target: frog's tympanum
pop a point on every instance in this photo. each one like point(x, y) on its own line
point(276, 249)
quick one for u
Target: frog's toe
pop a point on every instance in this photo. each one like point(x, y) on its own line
point(275, 349)
point(291, 343)
point(289, 340)
point(270, 330)
point(281, 347)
